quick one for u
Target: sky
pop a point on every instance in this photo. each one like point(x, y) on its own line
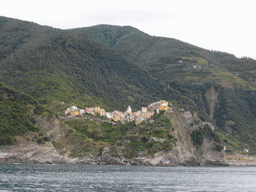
point(221, 25)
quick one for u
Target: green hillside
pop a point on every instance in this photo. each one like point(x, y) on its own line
point(57, 66)
point(17, 111)
point(113, 67)
point(164, 57)
point(94, 135)
point(218, 85)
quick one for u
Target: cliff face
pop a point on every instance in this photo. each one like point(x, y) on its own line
point(171, 138)
point(32, 153)
point(195, 144)
point(218, 85)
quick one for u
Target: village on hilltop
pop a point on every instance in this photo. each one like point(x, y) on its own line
point(117, 116)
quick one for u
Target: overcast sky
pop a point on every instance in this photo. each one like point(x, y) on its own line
point(223, 25)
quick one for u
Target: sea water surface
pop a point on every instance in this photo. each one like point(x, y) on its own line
point(125, 178)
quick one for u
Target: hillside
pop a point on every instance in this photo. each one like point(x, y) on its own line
point(168, 139)
point(160, 53)
point(113, 67)
point(59, 66)
point(17, 114)
point(218, 85)
point(31, 134)
point(171, 138)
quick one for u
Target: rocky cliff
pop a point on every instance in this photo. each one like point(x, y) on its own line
point(195, 144)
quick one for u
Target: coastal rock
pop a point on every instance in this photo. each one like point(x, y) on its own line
point(47, 155)
point(188, 117)
point(210, 125)
point(32, 153)
point(184, 151)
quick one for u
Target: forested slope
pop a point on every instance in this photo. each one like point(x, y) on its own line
point(113, 67)
point(55, 66)
point(17, 112)
point(218, 85)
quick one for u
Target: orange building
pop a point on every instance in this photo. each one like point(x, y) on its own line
point(74, 113)
point(164, 105)
point(96, 110)
point(137, 120)
point(117, 118)
point(102, 112)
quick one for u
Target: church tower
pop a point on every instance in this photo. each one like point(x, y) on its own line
point(129, 110)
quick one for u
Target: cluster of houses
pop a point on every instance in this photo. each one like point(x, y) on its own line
point(117, 116)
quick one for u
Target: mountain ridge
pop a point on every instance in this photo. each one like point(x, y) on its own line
point(53, 54)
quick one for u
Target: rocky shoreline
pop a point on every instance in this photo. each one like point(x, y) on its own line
point(184, 152)
point(242, 163)
point(46, 154)
point(103, 160)
point(42, 154)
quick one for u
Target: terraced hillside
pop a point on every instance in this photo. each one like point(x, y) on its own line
point(219, 85)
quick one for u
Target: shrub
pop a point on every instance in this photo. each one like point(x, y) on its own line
point(132, 155)
point(197, 137)
point(166, 121)
point(201, 118)
point(167, 145)
point(155, 148)
point(218, 148)
point(7, 140)
point(170, 136)
point(159, 133)
point(54, 144)
point(40, 141)
point(144, 139)
point(46, 138)
point(229, 152)
point(161, 112)
point(149, 145)
point(196, 121)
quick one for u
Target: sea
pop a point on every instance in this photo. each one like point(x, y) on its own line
point(73, 178)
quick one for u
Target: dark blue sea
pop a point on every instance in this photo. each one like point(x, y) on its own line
point(125, 178)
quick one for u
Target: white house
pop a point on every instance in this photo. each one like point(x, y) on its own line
point(73, 108)
point(82, 111)
point(109, 115)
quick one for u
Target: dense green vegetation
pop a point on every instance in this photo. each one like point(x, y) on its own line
point(136, 138)
point(201, 133)
point(57, 66)
point(190, 72)
point(17, 112)
point(113, 67)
